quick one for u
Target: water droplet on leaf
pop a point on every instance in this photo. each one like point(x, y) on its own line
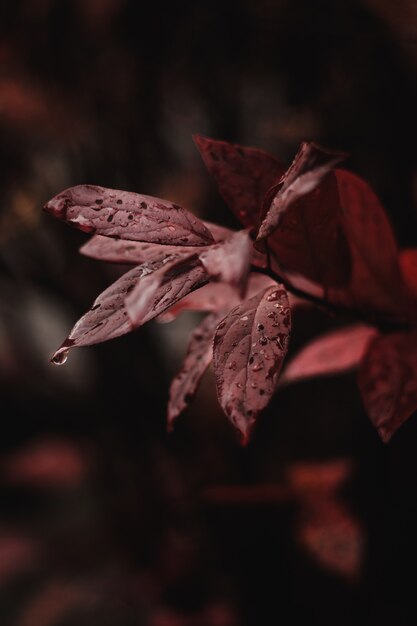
point(60, 359)
point(272, 296)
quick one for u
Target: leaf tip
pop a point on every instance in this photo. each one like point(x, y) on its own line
point(245, 433)
point(56, 206)
point(198, 139)
point(61, 355)
point(384, 433)
point(170, 424)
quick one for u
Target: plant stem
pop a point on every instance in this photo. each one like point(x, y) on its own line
point(384, 324)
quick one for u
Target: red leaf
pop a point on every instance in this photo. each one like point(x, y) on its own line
point(19, 555)
point(197, 359)
point(106, 319)
point(310, 478)
point(47, 463)
point(333, 536)
point(388, 381)
point(310, 166)
point(309, 238)
point(408, 266)
point(127, 215)
point(158, 291)
point(333, 353)
point(326, 528)
point(229, 261)
point(215, 298)
point(154, 287)
point(243, 175)
point(249, 347)
point(375, 280)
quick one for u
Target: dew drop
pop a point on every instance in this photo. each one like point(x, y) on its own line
point(60, 359)
point(263, 341)
point(239, 385)
point(244, 318)
point(257, 367)
point(272, 296)
point(260, 327)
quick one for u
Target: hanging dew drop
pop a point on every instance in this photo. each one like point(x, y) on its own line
point(60, 358)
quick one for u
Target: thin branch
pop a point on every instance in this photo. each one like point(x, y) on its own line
point(384, 324)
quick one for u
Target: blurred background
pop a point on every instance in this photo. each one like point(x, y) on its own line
point(104, 518)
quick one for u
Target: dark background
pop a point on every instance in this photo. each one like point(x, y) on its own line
point(105, 519)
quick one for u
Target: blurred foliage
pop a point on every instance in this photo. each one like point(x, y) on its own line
point(105, 518)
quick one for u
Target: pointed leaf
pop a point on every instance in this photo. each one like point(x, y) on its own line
point(309, 238)
point(249, 347)
point(229, 261)
point(310, 166)
point(163, 288)
point(375, 283)
point(107, 317)
point(198, 357)
point(388, 381)
point(215, 297)
point(333, 353)
point(243, 175)
point(127, 215)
